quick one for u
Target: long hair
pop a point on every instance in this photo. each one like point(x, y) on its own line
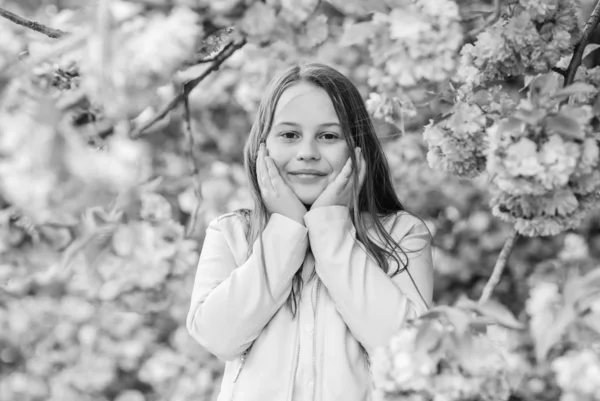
point(377, 199)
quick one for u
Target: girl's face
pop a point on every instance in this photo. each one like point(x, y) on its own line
point(306, 140)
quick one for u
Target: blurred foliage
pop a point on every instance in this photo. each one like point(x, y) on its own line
point(103, 209)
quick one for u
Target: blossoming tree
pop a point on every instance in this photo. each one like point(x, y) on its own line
point(121, 127)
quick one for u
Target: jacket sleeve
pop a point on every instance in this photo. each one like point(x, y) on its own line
point(373, 305)
point(230, 305)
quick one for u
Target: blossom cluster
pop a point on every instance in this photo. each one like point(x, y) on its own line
point(590, 76)
point(576, 374)
point(541, 155)
point(417, 41)
point(575, 339)
point(69, 348)
point(544, 165)
point(403, 370)
point(529, 38)
point(295, 22)
point(414, 44)
point(458, 144)
point(145, 55)
point(141, 257)
point(43, 148)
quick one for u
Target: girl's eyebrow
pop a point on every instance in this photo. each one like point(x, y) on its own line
point(298, 125)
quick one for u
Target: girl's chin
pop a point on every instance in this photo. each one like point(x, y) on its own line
point(307, 196)
point(308, 199)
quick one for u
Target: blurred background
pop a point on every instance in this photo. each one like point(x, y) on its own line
point(100, 232)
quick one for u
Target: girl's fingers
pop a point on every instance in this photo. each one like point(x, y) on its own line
point(346, 170)
point(341, 181)
point(273, 173)
point(360, 170)
point(261, 168)
point(363, 170)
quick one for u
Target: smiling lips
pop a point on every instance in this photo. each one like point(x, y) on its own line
point(307, 174)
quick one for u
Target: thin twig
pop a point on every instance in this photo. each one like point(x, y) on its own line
point(560, 71)
point(490, 21)
point(223, 55)
point(36, 26)
point(193, 164)
point(590, 27)
point(499, 267)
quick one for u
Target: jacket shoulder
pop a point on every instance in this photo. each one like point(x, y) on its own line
point(232, 227)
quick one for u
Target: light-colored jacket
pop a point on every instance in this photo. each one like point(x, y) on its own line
point(350, 307)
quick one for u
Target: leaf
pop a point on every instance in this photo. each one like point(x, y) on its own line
point(527, 79)
point(98, 245)
point(91, 245)
point(530, 116)
point(549, 338)
point(580, 289)
point(589, 48)
point(575, 89)
point(360, 7)
point(511, 125)
point(492, 309)
point(405, 105)
point(428, 337)
point(433, 314)
point(500, 313)
point(565, 126)
point(542, 86)
point(463, 350)
point(458, 318)
point(481, 98)
point(96, 216)
point(358, 33)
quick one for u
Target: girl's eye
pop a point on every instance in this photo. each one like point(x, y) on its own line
point(288, 135)
point(329, 136)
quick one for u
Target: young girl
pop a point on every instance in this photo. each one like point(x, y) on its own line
point(298, 292)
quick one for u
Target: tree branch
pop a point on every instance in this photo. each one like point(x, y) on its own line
point(36, 26)
point(560, 71)
point(193, 164)
point(499, 267)
point(590, 27)
point(223, 55)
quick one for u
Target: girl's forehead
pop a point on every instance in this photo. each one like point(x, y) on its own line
point(302, 102)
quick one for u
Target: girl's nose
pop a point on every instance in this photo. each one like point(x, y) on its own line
point(308, 149)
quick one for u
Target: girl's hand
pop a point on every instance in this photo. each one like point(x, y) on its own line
point(339, 191)
point(277, 195)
